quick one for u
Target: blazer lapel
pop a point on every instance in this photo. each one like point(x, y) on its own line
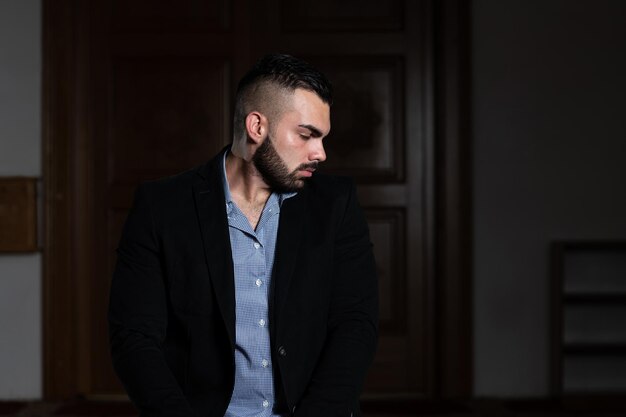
point(289, 239)
point(211, 210)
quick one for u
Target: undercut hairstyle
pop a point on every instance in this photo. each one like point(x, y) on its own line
point(268, 85)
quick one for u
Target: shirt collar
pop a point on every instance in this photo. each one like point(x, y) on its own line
point(229, 198)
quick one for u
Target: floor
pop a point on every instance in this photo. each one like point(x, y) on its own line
point(477, 408)
point(68, 409)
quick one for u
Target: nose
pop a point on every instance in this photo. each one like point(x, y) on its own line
point(317, 151)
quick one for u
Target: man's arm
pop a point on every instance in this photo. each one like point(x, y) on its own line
point(352, 324)
point(138, 318)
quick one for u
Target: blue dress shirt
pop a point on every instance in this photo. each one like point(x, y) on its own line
point(253, 260)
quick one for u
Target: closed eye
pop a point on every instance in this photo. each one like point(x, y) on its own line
point(315, 132)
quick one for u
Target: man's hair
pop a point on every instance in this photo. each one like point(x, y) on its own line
point(264, 87)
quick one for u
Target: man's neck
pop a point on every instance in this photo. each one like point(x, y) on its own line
point(247, 188)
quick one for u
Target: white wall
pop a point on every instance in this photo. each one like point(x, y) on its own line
point(549, 115)
point(20, 154)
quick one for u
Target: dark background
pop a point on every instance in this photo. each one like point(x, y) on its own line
point(546, 162)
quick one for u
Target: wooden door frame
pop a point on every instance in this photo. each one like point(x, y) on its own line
point(64, 135)
point(453, 199)
point(66, 156)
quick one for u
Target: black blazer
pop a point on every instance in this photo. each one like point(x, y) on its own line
point(172, 301)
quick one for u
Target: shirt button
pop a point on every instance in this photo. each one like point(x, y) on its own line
point(266, 403)
point(262, 323)
point(256, 245)
point(258, 282)
point(265, 363)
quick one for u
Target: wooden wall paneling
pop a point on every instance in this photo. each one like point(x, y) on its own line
point(387, 227)
point(418, 190)
point(180, 104)
point(453, 198)
point(341, 16)
point(367, 117)
point(18, 214)
point(380, 135)
point(64, 125)
point(166, 115)
point(94, 335)
point(126, 85)
point(162, 109)
point(371, 145)
point(387, 230)
point(168, 16)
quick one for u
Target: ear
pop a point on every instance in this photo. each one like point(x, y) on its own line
point(256, 127)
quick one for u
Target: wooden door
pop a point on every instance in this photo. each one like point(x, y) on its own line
point(374, 53)
point(153, 85)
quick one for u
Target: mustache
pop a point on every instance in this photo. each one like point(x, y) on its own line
point(308, 165)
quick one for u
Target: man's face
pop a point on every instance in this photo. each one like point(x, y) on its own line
point(290, 155)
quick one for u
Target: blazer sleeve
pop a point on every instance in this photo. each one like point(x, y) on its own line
point(352, 332)
point(138, 318)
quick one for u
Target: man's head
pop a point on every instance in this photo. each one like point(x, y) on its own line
point(282, 113)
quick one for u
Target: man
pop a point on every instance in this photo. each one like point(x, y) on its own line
point(247, 286)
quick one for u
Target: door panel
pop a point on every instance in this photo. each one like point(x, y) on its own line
point(367, 117)
point(168, 114)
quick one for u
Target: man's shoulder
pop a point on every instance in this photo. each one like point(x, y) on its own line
point(179, 188)
point(184, 182)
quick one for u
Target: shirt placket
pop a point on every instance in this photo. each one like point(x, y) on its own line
point(256, 326)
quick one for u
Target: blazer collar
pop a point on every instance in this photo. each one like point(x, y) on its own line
point(288, 242)
point(211, 210)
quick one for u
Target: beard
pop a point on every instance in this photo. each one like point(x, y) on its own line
point(275, 172)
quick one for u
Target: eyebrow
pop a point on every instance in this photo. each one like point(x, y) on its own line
point(315, 132)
